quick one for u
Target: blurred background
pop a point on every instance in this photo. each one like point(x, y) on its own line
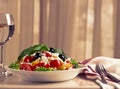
point(81, 28)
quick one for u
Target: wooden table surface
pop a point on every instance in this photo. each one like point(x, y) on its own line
point(79, 82)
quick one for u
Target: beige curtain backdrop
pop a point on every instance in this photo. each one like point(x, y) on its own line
point(26, 18)
point(81, 28)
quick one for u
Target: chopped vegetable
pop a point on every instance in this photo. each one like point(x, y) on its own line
point(43, 58)
point(44, 69)
point(75, 63)
point(33, 49)
point(55, 63)
point(28, 59)
point(26, 66)
point(14, 65)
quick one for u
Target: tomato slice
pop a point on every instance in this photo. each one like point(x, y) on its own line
point(67, 61)
point(39, 64)
point(55, 63)
point(28, 59)
point(26, 66)
point(47, 54)
point(47, 65)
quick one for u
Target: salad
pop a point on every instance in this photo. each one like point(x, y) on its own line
point(43, 58)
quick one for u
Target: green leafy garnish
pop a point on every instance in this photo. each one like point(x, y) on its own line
point(32, 49)
point(60, 52)
point(14, 65)
point(44, 69)
point(75, 63)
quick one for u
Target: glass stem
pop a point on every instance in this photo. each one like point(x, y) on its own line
point(1, 59)
point(1, 55)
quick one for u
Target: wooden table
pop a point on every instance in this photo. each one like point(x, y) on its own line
point(79, 82)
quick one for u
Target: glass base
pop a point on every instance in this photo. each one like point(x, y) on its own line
point(2, 78)
point(4, 73)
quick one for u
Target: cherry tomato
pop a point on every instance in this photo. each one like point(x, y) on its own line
point(28, 59)
point(48, 54)
point(67, 61)
point(55, 63)
point(26, 66)
point(39, 64)
point(47, 65)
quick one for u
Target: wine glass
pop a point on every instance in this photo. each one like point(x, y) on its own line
point(6, 32)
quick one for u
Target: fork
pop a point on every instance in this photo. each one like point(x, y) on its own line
point(113, 78)
point(99, 70)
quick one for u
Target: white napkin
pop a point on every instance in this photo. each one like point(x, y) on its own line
point(112, 65)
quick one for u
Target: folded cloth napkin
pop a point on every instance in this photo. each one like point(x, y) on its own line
point(111, 65)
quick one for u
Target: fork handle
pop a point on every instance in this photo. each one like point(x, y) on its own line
point(113, 77)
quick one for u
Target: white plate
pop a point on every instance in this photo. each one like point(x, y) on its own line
point(46, 76)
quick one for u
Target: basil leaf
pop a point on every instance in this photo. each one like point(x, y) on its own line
point(41, 48)
point(60, 52)
point(32, 49)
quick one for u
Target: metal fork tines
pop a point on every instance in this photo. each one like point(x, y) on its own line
point(99, 70)
point(113, 78)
